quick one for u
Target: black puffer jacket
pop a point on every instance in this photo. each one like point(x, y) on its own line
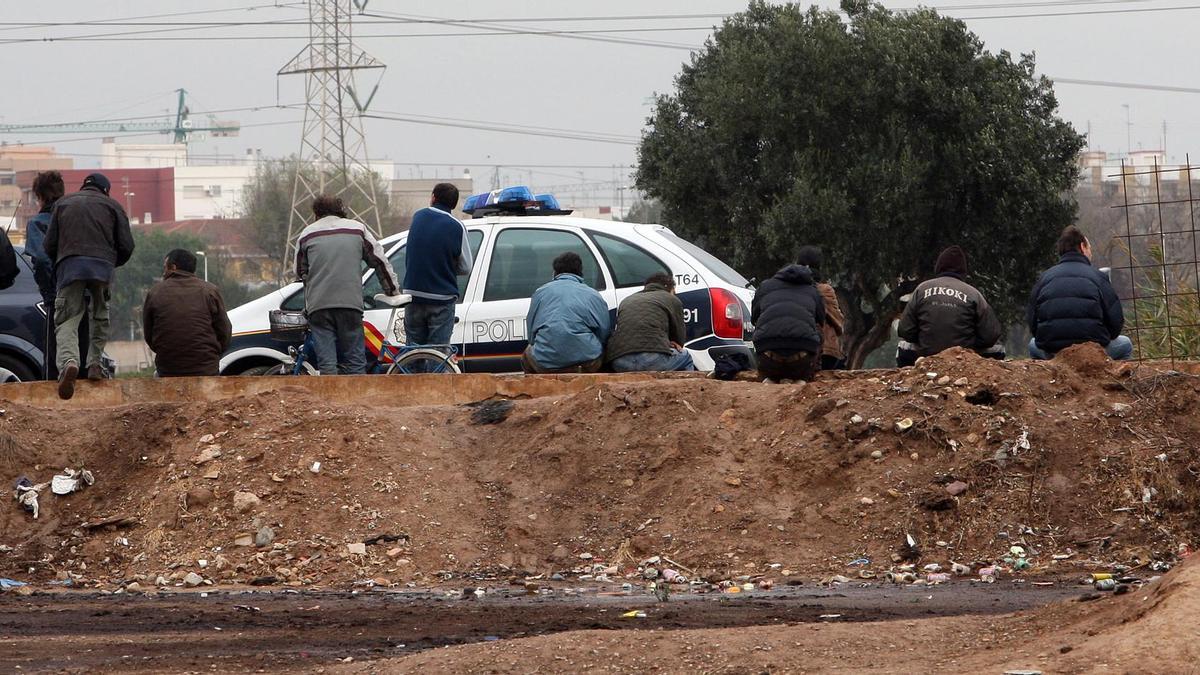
point(1073, 303)
point(788, 312)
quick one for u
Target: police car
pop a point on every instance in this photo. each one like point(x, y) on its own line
point(514, 238)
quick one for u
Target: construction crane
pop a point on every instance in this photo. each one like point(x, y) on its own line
point(182, 127)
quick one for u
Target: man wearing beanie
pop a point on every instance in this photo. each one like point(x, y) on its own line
point(88, 238)
point(946, 312)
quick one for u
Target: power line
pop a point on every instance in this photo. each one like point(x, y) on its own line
point(576, 136)
point(1125, 85)
point(276, 5)
point(380, 21)
point(1090, 12)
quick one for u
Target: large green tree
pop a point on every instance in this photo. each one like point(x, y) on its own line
point(267, 203)
point(881, 137)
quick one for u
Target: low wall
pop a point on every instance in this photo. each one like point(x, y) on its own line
point(387, 391)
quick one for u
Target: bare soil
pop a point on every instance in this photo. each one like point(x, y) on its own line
point(1080, 464)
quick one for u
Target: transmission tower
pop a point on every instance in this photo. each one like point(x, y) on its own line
point(333, 149)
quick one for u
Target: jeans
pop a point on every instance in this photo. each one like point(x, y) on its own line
point(428, 324)
point(678, 359)
point(337, 336)
point(529, 365)
point(70, 306)
point(1120, 349)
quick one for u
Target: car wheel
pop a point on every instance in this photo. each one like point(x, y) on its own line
point(14, 370)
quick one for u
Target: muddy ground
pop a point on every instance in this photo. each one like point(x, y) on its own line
point(234, 631)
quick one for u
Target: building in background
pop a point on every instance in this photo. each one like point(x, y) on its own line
point(226, 244)
point(409, 195)
point(16, 205)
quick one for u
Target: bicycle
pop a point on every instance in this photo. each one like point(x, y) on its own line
point(393, 358)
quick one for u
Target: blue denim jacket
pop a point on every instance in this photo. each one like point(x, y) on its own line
point(43, 266)
point(568, 323)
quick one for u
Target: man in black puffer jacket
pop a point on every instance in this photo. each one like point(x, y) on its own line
point(1074, 303)
point(788, 313)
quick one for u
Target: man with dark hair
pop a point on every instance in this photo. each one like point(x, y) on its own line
point(787, 312)
point(946, 312)
point(48, 188)
point(650, 331)
point(184, 320)
point(832, 356)
point(329, 257)
point(1074, 302)
point(88, 238)
point(438, 253)
point(568, 323)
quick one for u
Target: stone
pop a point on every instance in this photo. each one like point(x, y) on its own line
point(877, 454)
point(162, 581)
point(192, 580)
point(199, 497)
point(943, 380)
point(133, 587)
point(395, 552)
point(243, 540)
point(733, 481)
point(961, 382)
point(532, 516)
point(866, 501)
point(915, 456)
point(356, 548)
point(245, 502)
point(956, 488)
point(207, 455)
point(560, 553)
point(586, 556)
point(264, 537)
point(212, 474)
point(628, 482)
point(382, 581)
point(1121, 408)
point(206, 439)
point(719, 508)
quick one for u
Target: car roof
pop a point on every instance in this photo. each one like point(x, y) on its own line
point(614, 226)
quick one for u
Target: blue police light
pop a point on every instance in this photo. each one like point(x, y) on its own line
point(548, 201)
point(515, 200)
point(517, 194)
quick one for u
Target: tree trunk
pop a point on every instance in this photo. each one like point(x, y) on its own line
point(860, 344)
point(866, 331)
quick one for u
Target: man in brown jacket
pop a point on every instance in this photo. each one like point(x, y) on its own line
point(184, 320)
point(832, 355)
point(650, 331)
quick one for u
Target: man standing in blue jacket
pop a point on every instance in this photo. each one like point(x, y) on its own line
point(1074, 303)
point(568, 323)
point(438, 253)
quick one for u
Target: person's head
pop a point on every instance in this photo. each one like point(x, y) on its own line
point(444, 195)
point(952, 260)
point(810, 257)
point(179, 260)
point(1072, 241)
point(662, 279)
point(97, 181)
point(48, 187)
point(328, 205)
point(568, 263)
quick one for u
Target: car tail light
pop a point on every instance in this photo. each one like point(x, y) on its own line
point(726, 313)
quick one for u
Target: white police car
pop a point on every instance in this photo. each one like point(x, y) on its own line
point(514, 238)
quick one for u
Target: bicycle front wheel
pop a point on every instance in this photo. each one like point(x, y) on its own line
point(421, 361)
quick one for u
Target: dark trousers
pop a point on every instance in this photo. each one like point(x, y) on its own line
point(829, 362)
point(338, 340)
point(787, 365)
point(532, 367)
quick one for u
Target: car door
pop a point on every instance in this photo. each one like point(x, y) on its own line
point(520, 260)
point(376, 316)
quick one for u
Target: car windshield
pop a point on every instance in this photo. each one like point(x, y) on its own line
point(712, 262)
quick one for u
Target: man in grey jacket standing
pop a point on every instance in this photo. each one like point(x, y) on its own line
point(329, 257)
point(88, 238)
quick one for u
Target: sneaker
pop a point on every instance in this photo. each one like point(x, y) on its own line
point(66, 380)
point(95, 373)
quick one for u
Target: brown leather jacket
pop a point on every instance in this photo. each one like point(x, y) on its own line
point(185, 324)
point(831, 330)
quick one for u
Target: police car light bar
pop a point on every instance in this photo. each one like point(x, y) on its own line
point(518, 200)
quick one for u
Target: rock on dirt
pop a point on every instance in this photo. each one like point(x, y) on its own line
point(245, 502)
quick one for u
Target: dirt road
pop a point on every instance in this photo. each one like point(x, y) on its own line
point(279, 630)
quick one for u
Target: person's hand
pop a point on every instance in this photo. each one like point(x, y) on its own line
point(677, 346)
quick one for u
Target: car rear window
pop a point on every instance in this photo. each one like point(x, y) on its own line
point(708, 260)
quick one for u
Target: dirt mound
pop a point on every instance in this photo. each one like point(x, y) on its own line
point(970, 457)
point(1151, 630)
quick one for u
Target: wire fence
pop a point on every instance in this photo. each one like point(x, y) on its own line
point(1156, 267)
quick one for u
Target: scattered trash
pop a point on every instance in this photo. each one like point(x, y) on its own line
point(26, 494)
point(960, 570)
point(988, 575)
point(859, 562)
point(1105, 584)
point(6, 584)
point(71, 480)
point(315, 468)
point(904, 424)
point(634, 614)
point(827, 617)
point(491, 412)
point(937, 578)
point(673, 577)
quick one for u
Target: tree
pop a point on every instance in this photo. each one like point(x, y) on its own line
point(645, 211)
point(267, 203)
point(136, 277)
point(881, 138)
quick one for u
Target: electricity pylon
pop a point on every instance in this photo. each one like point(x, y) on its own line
point(333, 149)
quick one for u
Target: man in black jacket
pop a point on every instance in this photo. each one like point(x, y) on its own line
point(1074, 303)
point(788, 313)
point(946, 312)
point(88, 238)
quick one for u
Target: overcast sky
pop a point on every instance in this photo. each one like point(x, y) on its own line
point(568, 84)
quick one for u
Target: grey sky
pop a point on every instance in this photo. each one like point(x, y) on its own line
point(528, 80)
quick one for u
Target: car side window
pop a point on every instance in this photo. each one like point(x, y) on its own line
point(399, 259)
point(630, 264)
point(523, 260)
